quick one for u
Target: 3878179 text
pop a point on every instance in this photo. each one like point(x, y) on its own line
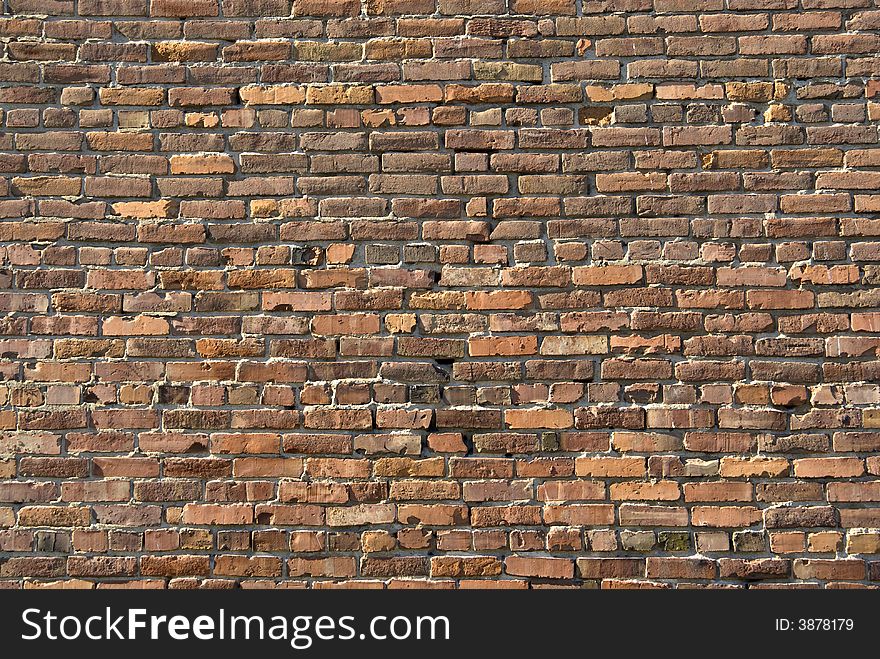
point(815, 624)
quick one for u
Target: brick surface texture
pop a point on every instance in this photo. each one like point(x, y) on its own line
point(440, 293)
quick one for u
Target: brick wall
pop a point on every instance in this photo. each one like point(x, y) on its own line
point(453, 293)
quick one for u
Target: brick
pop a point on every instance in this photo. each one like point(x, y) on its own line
point(548, 568)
